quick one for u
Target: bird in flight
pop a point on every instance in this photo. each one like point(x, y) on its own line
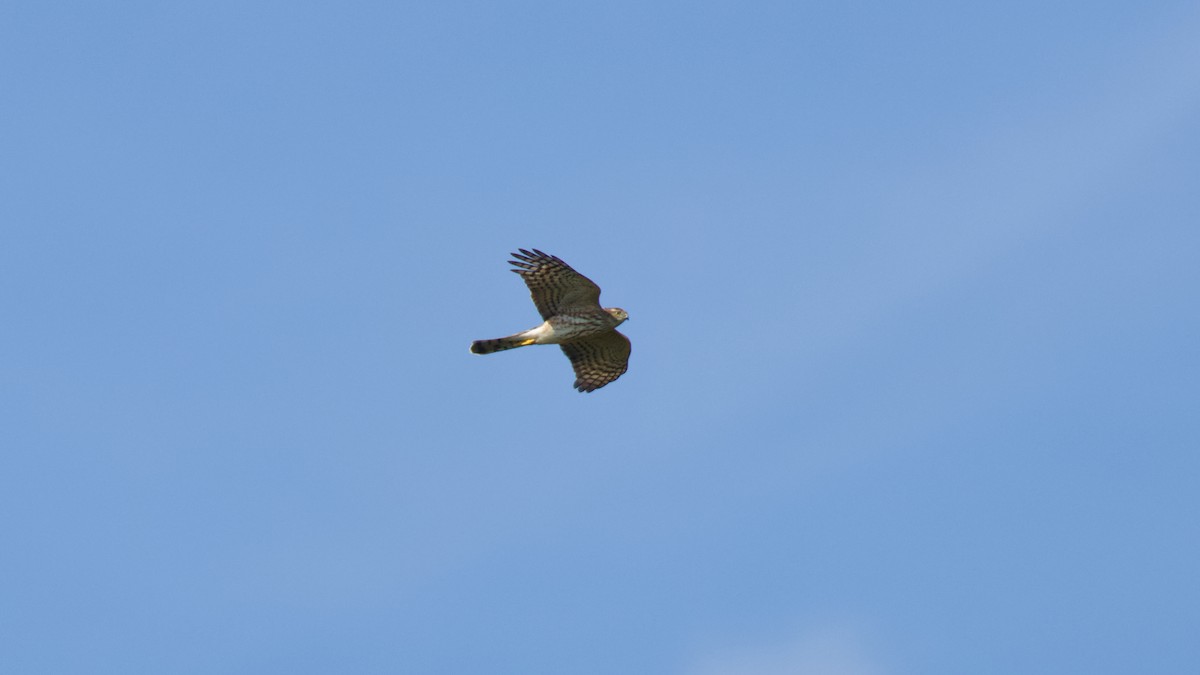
point(574, 320)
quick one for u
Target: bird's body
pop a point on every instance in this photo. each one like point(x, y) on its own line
point(570, 304)
point(559, 329)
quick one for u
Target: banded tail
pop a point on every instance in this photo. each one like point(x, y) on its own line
point(500, 344)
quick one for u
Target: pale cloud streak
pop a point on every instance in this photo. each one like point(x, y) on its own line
point(827, 651)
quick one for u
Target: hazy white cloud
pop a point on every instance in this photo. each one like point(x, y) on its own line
point(1018, 178)
point(829, 651)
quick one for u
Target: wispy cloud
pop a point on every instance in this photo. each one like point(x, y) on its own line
point(827, 651)
point(1021, 176)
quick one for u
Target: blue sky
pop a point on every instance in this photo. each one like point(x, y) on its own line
point(913, 295)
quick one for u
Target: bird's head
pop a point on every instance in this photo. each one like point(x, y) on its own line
point(617, 313)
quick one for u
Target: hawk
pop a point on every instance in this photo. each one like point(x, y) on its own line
point(574, 320)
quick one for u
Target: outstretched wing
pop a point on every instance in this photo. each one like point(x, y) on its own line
point(553, 285)
point(598, 360)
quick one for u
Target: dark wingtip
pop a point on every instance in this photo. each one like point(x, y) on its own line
point(546, 256)
point(527, 256)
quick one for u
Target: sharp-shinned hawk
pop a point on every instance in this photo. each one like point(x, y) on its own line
point(574, 320)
